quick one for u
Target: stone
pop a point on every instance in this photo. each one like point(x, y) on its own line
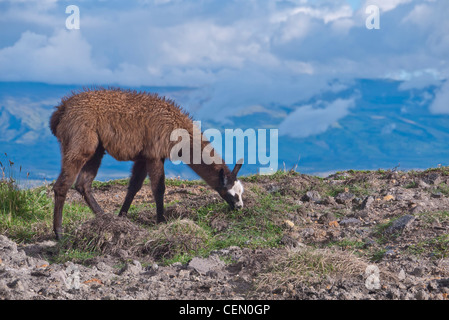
point(344, 197)
point(367, 202)
point(422, 295)
point(131, 268)
point(401, 275)
point(204, 265)
point(350, 222)
point(418, 272)
point(289, 224)
point(400, 224)
point(312, 196)
point(432, 178)
point(327, 217)
point(437, 194)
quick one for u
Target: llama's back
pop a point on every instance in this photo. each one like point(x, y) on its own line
point(128, 124)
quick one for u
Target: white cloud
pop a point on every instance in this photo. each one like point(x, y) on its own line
point(309, 120)
point(64, 57)
point(440, 104)
point(240, 53)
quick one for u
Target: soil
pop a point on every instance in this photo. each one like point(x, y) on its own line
point(353, 235)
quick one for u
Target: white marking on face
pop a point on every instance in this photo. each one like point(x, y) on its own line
point(237, 190)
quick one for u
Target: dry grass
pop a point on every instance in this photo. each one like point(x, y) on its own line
point(108, 233)
point(175, 237)
point(310, 265)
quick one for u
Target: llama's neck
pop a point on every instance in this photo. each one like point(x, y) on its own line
point(210, 171)
point(207, 168)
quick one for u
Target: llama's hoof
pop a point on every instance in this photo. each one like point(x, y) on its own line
point(160, 220)
point(58, 235)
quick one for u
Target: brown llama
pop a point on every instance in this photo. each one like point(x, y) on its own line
point(130, 126)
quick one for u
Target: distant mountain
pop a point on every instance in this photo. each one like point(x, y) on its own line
point(386, 127)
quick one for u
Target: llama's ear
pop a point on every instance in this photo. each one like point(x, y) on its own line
point(222, 177)
point(237, 167)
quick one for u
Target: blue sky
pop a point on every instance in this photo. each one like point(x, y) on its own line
point(294, 65)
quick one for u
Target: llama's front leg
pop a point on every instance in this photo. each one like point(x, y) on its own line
point(139, 172)
point(157, 177)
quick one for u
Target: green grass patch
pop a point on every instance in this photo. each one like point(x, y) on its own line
point(430, 217)
point(347, 244)
point(119, 182)
point(258, 226)
point(378, 255)
point(443, 188)
point(26, 215)
point(437, 247)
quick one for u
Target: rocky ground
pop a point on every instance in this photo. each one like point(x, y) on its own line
point(352, 235)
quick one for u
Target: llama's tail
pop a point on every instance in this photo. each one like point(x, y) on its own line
point(55, 118)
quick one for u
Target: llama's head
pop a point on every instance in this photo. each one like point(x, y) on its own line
point(231, 189)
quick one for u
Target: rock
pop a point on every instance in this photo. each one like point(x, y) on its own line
point(422, 295)
point(131, 268)
point(311, 196)
point(437, 195)
point(432, 178)
point(272, 188)
point(333, 234)
point(184, 273)
point(344, 197)
point(72, 280)
point(394, 294)
point(328, 200)
point(59, 277)
point(350, 222)
point(366, 204)
point(204, 265)
point(289, 224)
point(361, 214)
point(289, 241)
point(104, 267)
point(417, 209)
point(390, 253)
point(17, 285)
point(418, 272)
point(327, 217)
point(4, 290)
point(307, 233)
point(423, 185)
point(401, 275)
point(400, 224)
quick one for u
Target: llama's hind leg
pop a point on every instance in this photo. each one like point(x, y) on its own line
point(69, 171)
point(139, 172)
point(87, 175)
point(157, 177)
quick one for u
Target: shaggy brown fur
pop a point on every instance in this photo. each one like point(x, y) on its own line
point(130, 126)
